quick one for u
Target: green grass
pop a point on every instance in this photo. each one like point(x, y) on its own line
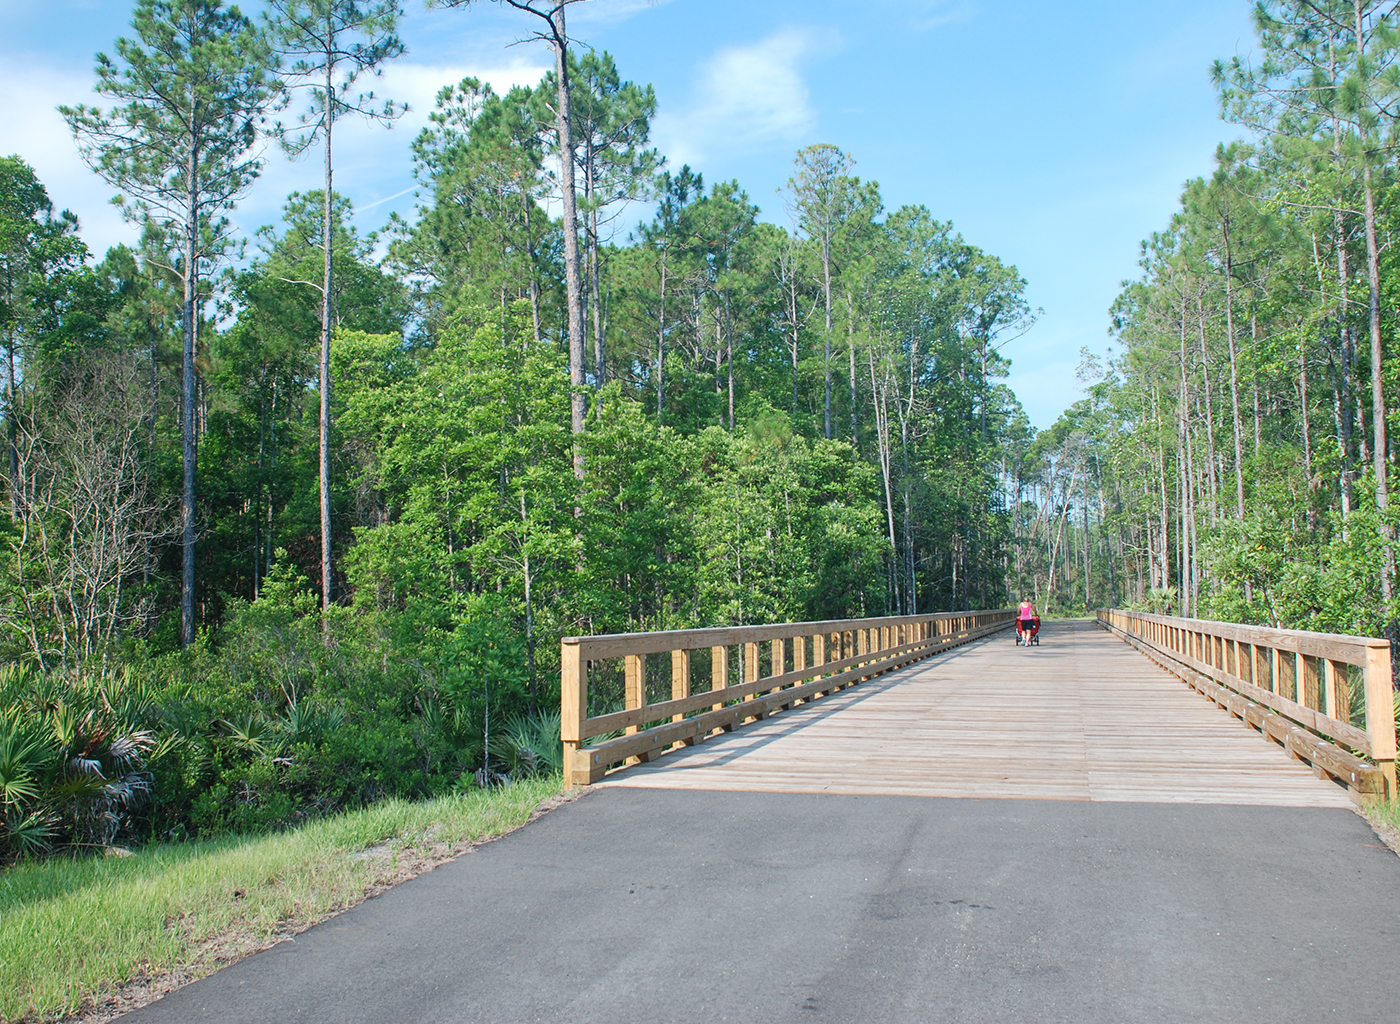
point(72, 929)
point(1383, 812)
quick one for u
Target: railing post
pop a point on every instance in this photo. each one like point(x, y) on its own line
point(634, 691)
point(680, 685)
point(719, 675)
point(1380, 714)
point(750, 670)
point(799, 655)
point(680, 677)
point(1329, 687)
point(573, 711)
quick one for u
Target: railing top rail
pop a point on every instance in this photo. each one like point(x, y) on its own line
point(615, 645)
point(1337, 646)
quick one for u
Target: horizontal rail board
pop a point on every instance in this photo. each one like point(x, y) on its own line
point(757, 698)
point(1361, 777)
point(618, 645)
point(1303, 715)
point(1336, 646)
point(615, 720)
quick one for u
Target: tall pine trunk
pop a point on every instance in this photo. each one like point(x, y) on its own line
point(573, 286)
point(826, 352)
point(325, 419)
point(187, 392)
point(1373, 278)
point(1234, 372)
point(1210, 417)
point(1378, 443)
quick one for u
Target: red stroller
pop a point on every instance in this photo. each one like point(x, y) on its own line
point(1028, 632)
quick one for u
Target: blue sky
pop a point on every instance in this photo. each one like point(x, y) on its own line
point(1054, 135)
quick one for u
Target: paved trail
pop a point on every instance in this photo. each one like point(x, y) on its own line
point(728, 901)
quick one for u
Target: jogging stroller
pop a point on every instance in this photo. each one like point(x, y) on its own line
point(1028, 633)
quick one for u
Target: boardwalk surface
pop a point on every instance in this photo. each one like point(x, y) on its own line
point(1081, 717)
point(1143, 857)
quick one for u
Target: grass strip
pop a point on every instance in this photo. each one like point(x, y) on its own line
point(1384, 817)
point(74, 930)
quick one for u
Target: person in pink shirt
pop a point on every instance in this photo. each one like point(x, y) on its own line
point(1027, 621)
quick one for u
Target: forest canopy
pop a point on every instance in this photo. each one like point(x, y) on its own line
point(290, 529)
point(296, 521)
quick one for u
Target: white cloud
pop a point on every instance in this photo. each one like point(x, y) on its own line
point(373, 165)
point(609, 10)
point(745, 97)
point(33, 129)
point(933, 13)
point(418, 84)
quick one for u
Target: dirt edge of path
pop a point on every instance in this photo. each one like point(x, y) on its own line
point(395, 865)
point(1384, 830)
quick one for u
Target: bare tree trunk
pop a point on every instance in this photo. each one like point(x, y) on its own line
point(1210, 416)
point(826, 293)
point(10, 425)
point(595, 299)
point(573, 286)
point(1254, 344)
point(1234, 373)
point(661, 340)
point(534, 275)
point(325, 424)
point(187, 395)
point(262, 484)
point(882, 443)
point(1181, 581)
point(272, 475)
point(1378, 444)
point(1162, 489)
point(1379, 451)
point(904, 416)
point(1307, 433)
point(1086, 553)
point(793, 341)
point(729, 340)
point(851, 349)
point(1347, 361)
point(1343, 405)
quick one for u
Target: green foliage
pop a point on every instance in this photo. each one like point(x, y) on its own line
point(191, 90)
point(780, 425)
point(74, 754)
point(1219, 466)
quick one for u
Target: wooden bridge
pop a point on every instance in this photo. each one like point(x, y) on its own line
point(757, 843)
point(1130, 707)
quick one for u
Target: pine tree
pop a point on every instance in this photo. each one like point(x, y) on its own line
point(192, 89)
point(327, 46)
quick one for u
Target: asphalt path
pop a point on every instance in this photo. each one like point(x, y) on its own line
point(635, 904)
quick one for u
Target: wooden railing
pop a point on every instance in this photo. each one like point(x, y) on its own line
point(1291, 685)
point(803, 661)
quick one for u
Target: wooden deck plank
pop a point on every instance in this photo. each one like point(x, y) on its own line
point(1083, 717)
